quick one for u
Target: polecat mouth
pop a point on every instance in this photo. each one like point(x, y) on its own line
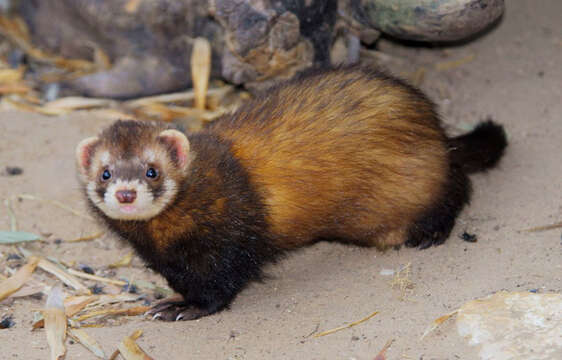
point(128, 209)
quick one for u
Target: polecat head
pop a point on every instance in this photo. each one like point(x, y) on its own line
point(133, 169)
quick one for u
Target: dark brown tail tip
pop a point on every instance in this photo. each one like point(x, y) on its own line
point(480, 149)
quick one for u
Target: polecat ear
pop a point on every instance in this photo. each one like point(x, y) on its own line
point(84, 152)
point(178, 145)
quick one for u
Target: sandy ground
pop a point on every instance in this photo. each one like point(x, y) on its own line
point(515, 77)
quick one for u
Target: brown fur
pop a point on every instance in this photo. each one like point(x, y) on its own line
point(347, 155)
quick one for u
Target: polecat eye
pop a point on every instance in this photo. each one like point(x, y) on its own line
point(106, 175)
point(151, 173)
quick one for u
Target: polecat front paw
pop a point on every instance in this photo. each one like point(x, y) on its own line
point(173, 309)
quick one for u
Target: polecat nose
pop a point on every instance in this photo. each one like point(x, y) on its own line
point(126, 196)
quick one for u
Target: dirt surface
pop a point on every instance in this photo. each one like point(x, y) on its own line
point(512, 74)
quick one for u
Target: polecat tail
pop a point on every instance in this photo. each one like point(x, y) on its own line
point(480, 149)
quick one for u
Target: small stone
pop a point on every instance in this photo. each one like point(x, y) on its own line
point(7, 322)
point(85, 268)
point(469, 237)
point(96, 289)
point(13, 256)
point(13, 170)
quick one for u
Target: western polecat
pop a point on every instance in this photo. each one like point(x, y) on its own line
point(349, 154)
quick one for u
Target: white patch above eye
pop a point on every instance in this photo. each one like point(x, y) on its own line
point(150, 155)
point(105, 158)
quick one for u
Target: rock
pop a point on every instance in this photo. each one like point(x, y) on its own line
point(429, 20)
point(274, 39)
point(518, 325)
point(148, 43)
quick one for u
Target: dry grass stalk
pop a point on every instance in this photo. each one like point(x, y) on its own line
point(448, 65)
point(64, 276)
point(96, 278)
point(55, 323)
point(77, 103)
point(200, 70)
point(544, 227)
point(32, 98)
point(87, 238)
point(34, 108)
point(101, 59)
point(169, 113)
point(74, 304)
point(331, 331)
point(11, 81)
point(402, 281)
point(106, 299)
point(15, 282)
point(184, 96)
point(11, 75)
point(133, 311)
point(163, 112)
point(15, 88)
point(381, 355)
point(89, 342)
point(130, 350)
point(12, 215)
point(31, 287)
point(15, 29)
point(438, 322)
point(124, 261)
point(132, 6)
point(114, 355)
point(113, 114)
point(58, 76)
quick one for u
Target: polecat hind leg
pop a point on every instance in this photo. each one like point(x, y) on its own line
point(435, 225)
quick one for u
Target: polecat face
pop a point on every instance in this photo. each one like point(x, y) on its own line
point(132, 170)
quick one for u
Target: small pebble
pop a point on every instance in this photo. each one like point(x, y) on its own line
point(16, 58)
point(469, 237)
point(7, 322)
point(51, 91)
point(86, 269)
point(38, 296)
point(130, 288)
point(13, 256)
point(96, 289)
point(387, 272)
point(13, 170)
